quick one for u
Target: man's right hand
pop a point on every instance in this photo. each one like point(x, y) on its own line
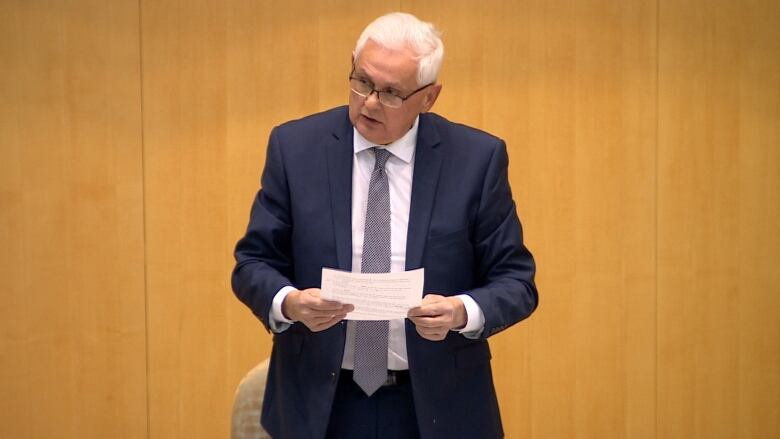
point(308, 308)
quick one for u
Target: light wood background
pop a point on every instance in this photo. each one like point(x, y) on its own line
point(644, 145)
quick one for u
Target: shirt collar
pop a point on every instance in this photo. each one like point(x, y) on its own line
point(402, 148)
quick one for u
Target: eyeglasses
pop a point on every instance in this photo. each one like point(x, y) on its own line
point(388, 98)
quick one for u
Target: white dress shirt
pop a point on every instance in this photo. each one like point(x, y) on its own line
point(399, 169)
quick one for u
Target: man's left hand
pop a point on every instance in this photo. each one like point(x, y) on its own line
point(437, 315)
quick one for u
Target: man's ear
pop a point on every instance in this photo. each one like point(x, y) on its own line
point(431, 94)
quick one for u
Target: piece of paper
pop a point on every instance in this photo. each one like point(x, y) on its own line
point(376, 296)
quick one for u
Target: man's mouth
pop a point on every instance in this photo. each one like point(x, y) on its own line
point(371, 119)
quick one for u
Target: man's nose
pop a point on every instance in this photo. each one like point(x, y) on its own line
point(373, 98)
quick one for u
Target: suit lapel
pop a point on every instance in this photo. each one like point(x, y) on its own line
point(339, 157)
point(427, 164)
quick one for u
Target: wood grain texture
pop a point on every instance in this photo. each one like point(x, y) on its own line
point(72, 346)
point(718, 199)
point(187, 249)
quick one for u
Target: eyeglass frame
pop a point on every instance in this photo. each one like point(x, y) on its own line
point(378, 95)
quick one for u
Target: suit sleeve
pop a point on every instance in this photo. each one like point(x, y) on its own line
point(263, 261)
point(505, 266)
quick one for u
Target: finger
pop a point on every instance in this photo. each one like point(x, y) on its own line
point(437, 308)
point(321, 316)
point(324, 316)
point(432, 298)
point(414, 312)
point(324, 305)
point(425, 311)
point(427, 322)
point(430, 326)
point(431, 335)
point(327, 323)
point(427, 300)
point(431, 322)
point(311, 297)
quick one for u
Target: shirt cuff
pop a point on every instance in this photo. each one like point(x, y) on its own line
point(475, 318)
point(277, 321)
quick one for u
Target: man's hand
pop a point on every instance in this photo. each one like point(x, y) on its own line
point(437, 315)
point(317, 314)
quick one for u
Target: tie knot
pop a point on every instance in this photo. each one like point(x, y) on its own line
point(381, 157)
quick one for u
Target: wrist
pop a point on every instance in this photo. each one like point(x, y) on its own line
point(460, 318)
point(288, 305)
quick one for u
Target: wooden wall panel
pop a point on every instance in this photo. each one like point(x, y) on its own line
point(759, 229)
point(613, 297)
point(72, 340)
point(719, 104)
point(183, 49)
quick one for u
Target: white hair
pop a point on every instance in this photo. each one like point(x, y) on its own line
point(399, 30)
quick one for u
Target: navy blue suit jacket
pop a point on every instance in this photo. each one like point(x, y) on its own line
point(463, 229)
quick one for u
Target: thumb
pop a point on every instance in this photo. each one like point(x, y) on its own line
point(431, 298)
point(314, 292)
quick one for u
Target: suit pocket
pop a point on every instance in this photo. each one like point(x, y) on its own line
point(288, 343)
point(457, 237)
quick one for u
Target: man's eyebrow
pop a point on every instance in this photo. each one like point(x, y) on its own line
point(362, 75)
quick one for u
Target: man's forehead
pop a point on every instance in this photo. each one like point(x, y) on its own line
point(386, 66)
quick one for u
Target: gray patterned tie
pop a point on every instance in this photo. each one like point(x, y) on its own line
point(371, 336)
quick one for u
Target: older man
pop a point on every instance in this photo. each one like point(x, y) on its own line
point(385, 186)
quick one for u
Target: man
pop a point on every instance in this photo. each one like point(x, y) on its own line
point(385, 186)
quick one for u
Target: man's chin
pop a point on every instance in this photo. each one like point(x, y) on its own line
point(373, 133)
